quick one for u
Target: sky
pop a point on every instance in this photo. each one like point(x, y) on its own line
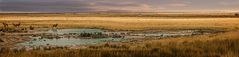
point(117, 5)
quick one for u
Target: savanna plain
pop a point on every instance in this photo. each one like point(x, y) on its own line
point(140, 34)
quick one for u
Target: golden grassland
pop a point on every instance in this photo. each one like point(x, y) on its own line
point(128, 23)
point(213, 45)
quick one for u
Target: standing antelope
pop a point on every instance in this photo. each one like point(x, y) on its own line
point(16, 25)
point(5, 24)
point(54, 28)
point(5, 27)
point(55, 25)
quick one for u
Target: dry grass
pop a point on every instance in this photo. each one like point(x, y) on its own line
point(222, 44)
point(129, 23)
point(214, 45)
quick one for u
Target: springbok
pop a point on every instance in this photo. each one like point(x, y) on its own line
point(5, 24)
point(16, 25)
point(55, 25)
point(54, 28)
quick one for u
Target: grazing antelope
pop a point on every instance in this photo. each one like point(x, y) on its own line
point(5, 24)
point(54, 28)
point(55, 25)
point(16, 25)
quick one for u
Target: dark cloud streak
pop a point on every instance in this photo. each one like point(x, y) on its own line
point(114, 5)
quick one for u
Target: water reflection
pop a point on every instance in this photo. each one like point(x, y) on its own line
point(68, 41)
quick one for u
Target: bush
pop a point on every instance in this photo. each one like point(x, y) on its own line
point(237, 14)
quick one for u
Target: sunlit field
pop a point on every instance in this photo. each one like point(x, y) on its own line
point(214, 36)
point(128, 23)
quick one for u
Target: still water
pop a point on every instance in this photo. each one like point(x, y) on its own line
point(38, 41)
point(68, 41)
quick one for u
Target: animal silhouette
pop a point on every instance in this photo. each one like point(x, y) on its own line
point(16, 24)
point(5, 24)
point(55, 25)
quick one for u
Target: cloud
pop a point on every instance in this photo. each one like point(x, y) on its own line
point(114, 5)
point(58, 6)
point(73, 6)
point(178, 5)
point(126, 6)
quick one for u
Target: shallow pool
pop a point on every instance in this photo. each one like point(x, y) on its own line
point(68, 41)
point(67, 31)
point(39, 41)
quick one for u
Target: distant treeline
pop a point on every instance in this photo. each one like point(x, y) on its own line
point(183, 15)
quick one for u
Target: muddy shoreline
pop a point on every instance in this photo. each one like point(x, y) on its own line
point(28, 40)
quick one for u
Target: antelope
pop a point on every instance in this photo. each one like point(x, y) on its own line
point(55, 25)
point(16, 25)
point(54, 28)
point(5, 24)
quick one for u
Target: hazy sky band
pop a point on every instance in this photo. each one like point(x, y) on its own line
point(117, 5)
